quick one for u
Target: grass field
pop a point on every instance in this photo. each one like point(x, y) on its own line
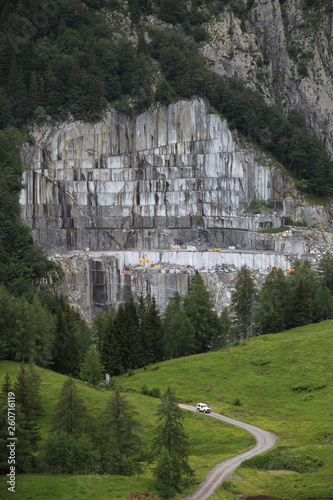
point(284, 385)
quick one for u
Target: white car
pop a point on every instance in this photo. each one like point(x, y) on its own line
point(203, 407)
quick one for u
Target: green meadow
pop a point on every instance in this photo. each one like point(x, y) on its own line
point(281, 383)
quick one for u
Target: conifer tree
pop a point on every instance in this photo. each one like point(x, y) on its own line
point(322, 304)
point(92, 370)
point(154, 331)
point(120, 438)
point(144, 333)
point(179, 333)
point(225, 328)
point(325, 271)
point(27, 393)
point(199, 309)
point(24, 451)
point(242, 301)
point(70, 413)
point(301, 312)
point(111, 350)
point(170, 445)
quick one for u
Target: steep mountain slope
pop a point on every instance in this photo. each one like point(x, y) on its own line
point(284, 49)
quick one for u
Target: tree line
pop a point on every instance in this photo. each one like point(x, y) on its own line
point(285, 301)
point(113, 442)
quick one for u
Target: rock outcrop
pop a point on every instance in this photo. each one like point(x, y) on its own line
point(284, 50)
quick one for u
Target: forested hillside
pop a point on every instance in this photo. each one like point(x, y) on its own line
point(72, 59)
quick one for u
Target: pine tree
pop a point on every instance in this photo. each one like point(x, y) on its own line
point(27, 393)
point(66, 349)
point(199, 309)
point(225, 328)
point(269, 317)
point(301, 311)
point(145, 333)
point(24, 451)
point(242, 301)
point(167, 474)
point(179, 333)
point(111, 354)
point(92, 370)
point(70, 413)
point(170, 445)
point(120, 439)
point(325, 271)
point(322, 304)
point(154, 330)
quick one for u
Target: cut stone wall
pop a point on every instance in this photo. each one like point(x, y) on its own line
point(168, 186)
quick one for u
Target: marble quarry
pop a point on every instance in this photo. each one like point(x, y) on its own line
point(135, 204)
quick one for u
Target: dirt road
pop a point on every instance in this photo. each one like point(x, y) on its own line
point(264, 441)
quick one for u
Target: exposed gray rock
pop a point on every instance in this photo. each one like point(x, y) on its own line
point(135, 205)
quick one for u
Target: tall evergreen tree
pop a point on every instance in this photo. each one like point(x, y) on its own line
point(242, 301)
point(154, 331)
point(325, 271)
point(27, 393)
point(120, 439)
point(111, 357)
point(199, 309)
point(170, 446)
point(23, 449)
point(92, 370)
point(301, 312)
point(179, 333)
point(70, 413)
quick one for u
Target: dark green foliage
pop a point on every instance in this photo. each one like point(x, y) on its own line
point(27, 393)
point(111, 351)
point(120, 441)
point(283, 459)
point(67, 59)
point(301, 312)
point(179, 333)
point(21, 263)
point(199, 309)
point(167, 474)
point(24, 456)
point(70, 413)
point(225, 328)
point(92, 370)
point(299, 298)
point(170, 445)
point(243, 301)
point(133, 337)
point(68, 454)
point(154, 332)
point(67, 349)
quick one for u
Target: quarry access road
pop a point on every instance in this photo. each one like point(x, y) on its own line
point(264, 441)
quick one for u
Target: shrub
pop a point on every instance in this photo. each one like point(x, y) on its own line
point(284, 459)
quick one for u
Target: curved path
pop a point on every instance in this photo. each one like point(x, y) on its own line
point(264, 441)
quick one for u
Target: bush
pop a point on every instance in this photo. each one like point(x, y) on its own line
point(284, 459)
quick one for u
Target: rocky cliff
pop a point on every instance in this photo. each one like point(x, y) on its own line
point(283, 49)
point(134, 205)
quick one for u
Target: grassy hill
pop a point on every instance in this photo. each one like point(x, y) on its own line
point(283, 383)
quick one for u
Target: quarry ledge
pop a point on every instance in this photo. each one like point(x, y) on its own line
point(208, 260)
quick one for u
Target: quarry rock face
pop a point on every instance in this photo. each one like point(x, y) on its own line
point(135, 205)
